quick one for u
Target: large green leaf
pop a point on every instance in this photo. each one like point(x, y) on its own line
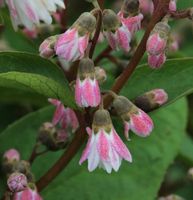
point(31, 72)
point(139, 180)
point(176, 77)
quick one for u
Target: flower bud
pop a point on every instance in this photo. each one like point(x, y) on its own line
point(11, 155)
point(28, 194)
point(86, 23)
point(157, 41)
point(17, 182)
point(130, 8)
point(111, 21)
point(172, 6)
point(151, 100)
point(87, 91)
point(100, 74)
point(47, 47)
point(52, 138)
point(156, 61)
point(146, 6)
point(133, 117)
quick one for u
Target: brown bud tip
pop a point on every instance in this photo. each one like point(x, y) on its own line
point(151, 100)
point(111, 21)
point(86, 69)
point(130, 8)
point(100, 74)
point(162, 28)
point(122, 105)
point(86, 23)
point(102, 119)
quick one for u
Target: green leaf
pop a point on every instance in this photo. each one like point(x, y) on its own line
point(31, 72)
point(139, 180)
point(186, 150)
point(176, 77)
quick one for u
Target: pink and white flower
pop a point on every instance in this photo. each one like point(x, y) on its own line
point(72, 44)
point(133, 117)
point(117, 35)
point(12, 155)
point(87, 91)
point(65, 116)
point(133, 23)
point(27, 194)
point(140, 123)
point(156, 61)
point(120, 39)
point(105, 148)
point(17, 182)
point(29, 13)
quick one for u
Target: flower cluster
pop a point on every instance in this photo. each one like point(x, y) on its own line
point(20, 180)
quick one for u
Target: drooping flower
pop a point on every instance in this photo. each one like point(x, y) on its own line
point(27, 194)
point(130, 15)
point(134, 118)
point(72, 44)
point(87, 91)
point(116, 33)
point(17, 182)
point(65, 116)
point(105, 148)
point(151, 100)
point(11, 155)
point(29, 13)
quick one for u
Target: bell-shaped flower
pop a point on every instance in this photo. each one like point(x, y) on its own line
point(134, 118)
point(72, 44)
point(105, 148)
point(87, 91)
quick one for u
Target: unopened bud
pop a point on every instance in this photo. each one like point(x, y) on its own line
point(123, 106)
point(102, 119)
point(86, 23)
point(17, 182)
point(172, 6)
point(86, 69)
point(100, 74)
point(52, 138)
point(111, 22)
point(130, 8)
point(156, 61)
point(151, 100)
point(47, 47)
point(11, 155)
point(157, 41)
